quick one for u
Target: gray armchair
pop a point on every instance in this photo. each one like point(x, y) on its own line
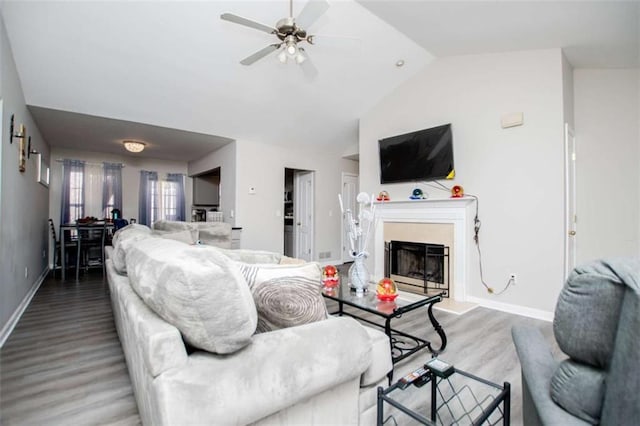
point(597, 325)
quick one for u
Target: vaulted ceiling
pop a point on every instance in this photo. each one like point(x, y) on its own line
point(133, 69)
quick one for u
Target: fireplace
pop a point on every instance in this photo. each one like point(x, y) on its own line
point(418, 267)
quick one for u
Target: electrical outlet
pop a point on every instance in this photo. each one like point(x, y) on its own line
point(513, 278)
point(44, 254)
point(26, 272)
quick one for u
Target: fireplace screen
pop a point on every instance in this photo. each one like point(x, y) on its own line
point(418, 267)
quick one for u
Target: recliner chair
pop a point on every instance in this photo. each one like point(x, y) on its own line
point(597, 325)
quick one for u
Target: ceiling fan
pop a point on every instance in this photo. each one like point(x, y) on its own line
point(290, 31)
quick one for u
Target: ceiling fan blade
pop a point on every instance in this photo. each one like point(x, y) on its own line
point(308, 68)
point(260, 54)
point(311, 12)
point(247, 23)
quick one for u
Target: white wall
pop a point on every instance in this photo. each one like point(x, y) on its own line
point(23, 201)
point(608, 163)
point(130, 178)
point(517, 173)
point(262, 166)
point(225, 158)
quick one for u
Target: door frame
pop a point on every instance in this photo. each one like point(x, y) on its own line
point(570, 205)
point(297, 213)
point(343, 241)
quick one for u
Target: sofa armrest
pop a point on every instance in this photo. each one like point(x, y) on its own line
point(538, 366)
point(381, 362)
point(277, 370)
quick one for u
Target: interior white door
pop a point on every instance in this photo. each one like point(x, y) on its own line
point(303, 212)
point(571, 215)
point(349, 194)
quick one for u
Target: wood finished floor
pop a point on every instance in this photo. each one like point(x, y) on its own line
point(63, 364)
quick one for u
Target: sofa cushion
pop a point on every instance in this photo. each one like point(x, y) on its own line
point(196, 289)
point(579, 389)
point(122, 240)
point(586, 315)
point(285, 295)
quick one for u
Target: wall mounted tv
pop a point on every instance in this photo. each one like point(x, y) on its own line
point(417, 156)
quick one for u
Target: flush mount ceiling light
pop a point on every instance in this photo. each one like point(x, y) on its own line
point(133, 146)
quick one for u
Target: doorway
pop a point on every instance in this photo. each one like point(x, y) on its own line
point(299, 211)
point(349, 194)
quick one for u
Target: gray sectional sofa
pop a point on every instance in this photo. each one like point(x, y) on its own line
point(187, 320)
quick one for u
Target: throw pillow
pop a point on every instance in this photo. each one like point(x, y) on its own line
point(123, 239)
point(286, 260)
point(251, 256)
point(185, 236)
point(215, 234)
point(196, 289)
point(285, 295)
point(579, 389)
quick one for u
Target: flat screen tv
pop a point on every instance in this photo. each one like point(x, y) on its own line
point(423, 155)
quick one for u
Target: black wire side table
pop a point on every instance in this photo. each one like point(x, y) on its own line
point(460, 399)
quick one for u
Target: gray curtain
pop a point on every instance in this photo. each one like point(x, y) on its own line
point(72, 191)
point(178, 179)
point(145, 203)
point(111, 188)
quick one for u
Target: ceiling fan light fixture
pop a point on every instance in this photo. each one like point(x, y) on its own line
point(133, 146)
point(300, 58)
point(292, 49)
point(282, 56)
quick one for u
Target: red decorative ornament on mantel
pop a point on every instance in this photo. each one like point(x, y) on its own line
point(457, 191)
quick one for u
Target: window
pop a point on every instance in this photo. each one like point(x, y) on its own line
point(164, 200)
point(90, 190)
point(161, 199)
point(76, 199)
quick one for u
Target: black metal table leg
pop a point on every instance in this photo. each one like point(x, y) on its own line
point(438, 328)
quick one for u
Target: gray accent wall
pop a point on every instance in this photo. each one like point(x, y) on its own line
point(24, 203)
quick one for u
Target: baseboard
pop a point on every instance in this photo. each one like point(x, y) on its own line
point(15, 317)
point(512, 309)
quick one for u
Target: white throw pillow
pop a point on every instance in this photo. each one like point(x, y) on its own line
point(185, 236)
point(197, 289)
point(125, 238)
point(285, 295)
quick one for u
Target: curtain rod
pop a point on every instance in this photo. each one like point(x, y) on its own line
point(61, 160)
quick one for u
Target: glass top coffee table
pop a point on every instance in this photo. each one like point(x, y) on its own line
point(402, 344)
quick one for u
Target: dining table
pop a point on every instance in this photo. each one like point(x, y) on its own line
point(66, 237)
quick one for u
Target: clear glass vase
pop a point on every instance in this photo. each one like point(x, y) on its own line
point(359, 274)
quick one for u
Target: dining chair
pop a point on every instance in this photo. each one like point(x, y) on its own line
point(91, 241)
point(70, 245)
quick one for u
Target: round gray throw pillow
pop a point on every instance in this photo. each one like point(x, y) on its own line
point(285, 295)
point(586, 316)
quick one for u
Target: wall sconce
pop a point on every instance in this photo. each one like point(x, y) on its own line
point(31, 150)
point(21, 134)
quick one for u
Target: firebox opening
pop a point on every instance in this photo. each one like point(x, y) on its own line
point(421, 268)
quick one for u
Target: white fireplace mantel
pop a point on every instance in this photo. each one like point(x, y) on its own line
point(453, 211)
